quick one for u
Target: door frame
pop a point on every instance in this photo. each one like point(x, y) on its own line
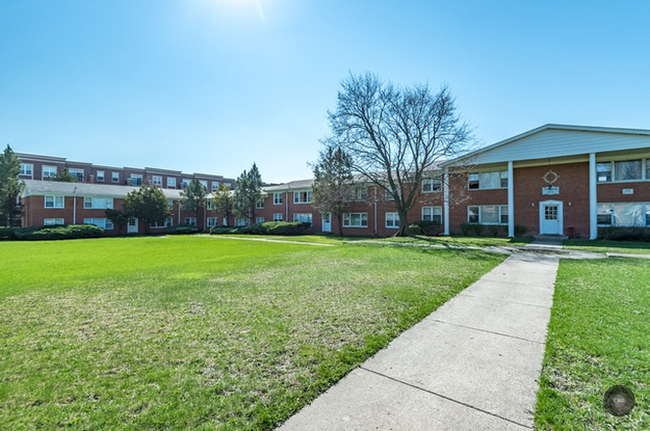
point(560, 216)
point(328, 224)
point(135, 225)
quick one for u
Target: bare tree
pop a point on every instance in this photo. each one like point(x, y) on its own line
point(396, 135)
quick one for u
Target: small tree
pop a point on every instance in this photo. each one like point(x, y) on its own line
point(395, 135)
point(118, 218)
point(222, 203)
point(194, 198)
point(149, 204)
point(9, 187)
point(333, 183)
point(65, 177)
point(248, 190)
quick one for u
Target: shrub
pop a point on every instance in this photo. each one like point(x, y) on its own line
point(425, 227)
point(494, 229)
point(465, 228)
point(520, 230)
point(478, 228)
point(59, 232)
point(619, 233)
point(181, 230)
point(266, 228)
point(7, 233)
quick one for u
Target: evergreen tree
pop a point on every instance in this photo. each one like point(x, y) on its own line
point(65, 177)
point(333, 184)
point(248, 190)
point(222, 202)
point(194, 198)
point(149, 204)
point(9, 187)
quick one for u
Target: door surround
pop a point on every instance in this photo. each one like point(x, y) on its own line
point(554, 226)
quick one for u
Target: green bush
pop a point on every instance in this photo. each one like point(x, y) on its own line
point(619, 233)
point(494, 229)
point(465, 228)
point(475, 228)
point(266, 228)
point(181, 230)
point(425, 227)
point(7, 233)
point(520, 230)
point(59, 232)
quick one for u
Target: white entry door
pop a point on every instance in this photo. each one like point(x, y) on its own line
point(327, 222)
point(132, 225)
point(550, 218)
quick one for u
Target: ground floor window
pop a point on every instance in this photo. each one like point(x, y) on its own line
point(488, 214)
point(190, 221)
point(241, 221)
point(433, 214)
point(277, 217)
point(213, 221)
point(623, 214)
point(259, 219)
point(355, 220)
point(302, 217)
point(168, 222)
point(104, 223)
point(392, 220)
point(53, 221)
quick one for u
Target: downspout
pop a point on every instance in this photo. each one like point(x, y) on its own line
point(179, 213)
point(74, 206)
point(445, 184)
point(511, 200)
point(375, 208)
point(286, 205)
point(593, 198)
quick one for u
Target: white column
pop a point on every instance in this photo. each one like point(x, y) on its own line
point(593, 198)
point(511, 201)
point(445, 210)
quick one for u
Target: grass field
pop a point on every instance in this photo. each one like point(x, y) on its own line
point(599, 336)
point(602, 246)
point(200, 332)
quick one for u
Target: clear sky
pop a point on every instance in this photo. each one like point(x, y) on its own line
point(214, 85)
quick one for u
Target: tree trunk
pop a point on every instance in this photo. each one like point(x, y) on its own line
point(403, 224)
point(339, 218)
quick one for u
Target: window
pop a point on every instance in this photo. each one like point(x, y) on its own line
point(359, 194)
point(168, 222)
point(171, 183)
point(388, 195)
point(190, 221)
point(213, 221)
point(135, 180)
point(355, 220)
point(98, 203)
point(488, 214)
point(49, 172)
point(156, 180)
point(53, 221)
point(104, 223)
point(215, 186)
point(115, 177)
point(647, 169)
point(628, 170)
point(54, 202)
point(277, 217)
point(186, 182)
point(392, 220)
point(604, 172)
point(431, 184)
point(100, 176)
point(259, 219)
point(78, 174)
point(277, 198)
point(303, 217)
point(301, 197)
point(209, 205)
point(623, 214)
point(259, 204)
point(433, 214)
point(204, 183)
point(488, 180)
point(241, 221)
point(26, 169)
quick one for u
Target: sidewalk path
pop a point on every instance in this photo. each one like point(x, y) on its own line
point(473, 364)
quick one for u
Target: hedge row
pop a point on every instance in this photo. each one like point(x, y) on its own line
point(613, 233)
point(51, 232)
point(266, 228)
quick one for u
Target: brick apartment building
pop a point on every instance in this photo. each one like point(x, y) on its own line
point(556, 180)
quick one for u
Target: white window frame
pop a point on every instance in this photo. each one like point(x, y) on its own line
point(278, 198)
point(392, 220)
point(355, 220)
point(190, 221)
point(302, 197)
point(303, 217)
point(259, 219)
point(168, 222)
point(137, 178)
point(185, 182)
point(115, 177)
point(46, 172)
point(214, 186)
point(98, 203)
point(259, 204)
point(157, 180)
point(53, 221)
point(78, 173)
point(607, 171)
point(213, 221)
point(26, 169)
point(277, 216)
point(609, 208)
point(431, 185)
point(501, 210)
point(100, 176)
point(56, 201)
point(432, 213)
point(171, 182)
point(241, 221)
point(104, 223)
point(478, 178)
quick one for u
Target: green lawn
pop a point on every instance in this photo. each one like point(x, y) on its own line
point(602, 246)
point(198, 332)
point(599, 336)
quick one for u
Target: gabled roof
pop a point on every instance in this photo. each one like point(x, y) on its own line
point(291, 185)
point(558, 140)
point(41, 188)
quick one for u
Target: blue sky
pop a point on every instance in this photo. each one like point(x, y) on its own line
point(215, 85)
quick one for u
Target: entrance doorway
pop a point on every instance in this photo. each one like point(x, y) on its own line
point(550, 218)
point(327, 222)
point(132, 225)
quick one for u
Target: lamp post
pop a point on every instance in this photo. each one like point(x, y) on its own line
point(74, 206)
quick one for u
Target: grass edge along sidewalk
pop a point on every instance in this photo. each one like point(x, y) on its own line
point(192, 333)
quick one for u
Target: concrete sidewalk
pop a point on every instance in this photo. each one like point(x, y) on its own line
point(473, 364)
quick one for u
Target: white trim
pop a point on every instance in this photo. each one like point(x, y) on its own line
point(446, 201)
point(511, 200)
point(593, 197)
point(560, 216)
